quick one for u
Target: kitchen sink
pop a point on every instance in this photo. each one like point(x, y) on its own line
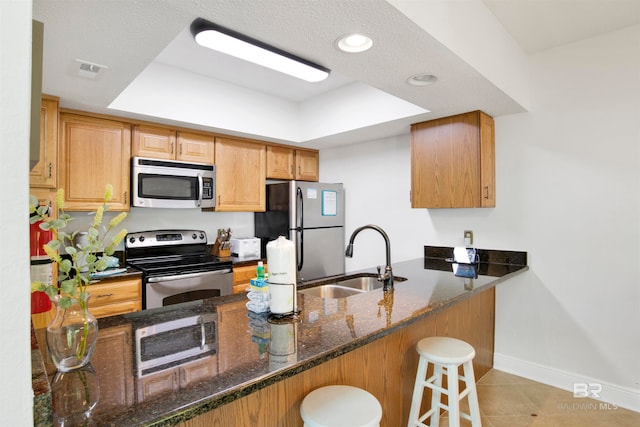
point(347, 286)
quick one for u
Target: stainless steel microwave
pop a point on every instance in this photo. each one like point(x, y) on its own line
point(172, 184)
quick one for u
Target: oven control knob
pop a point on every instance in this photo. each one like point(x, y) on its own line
point(194, 236)
point(201, 236)
point(141, 239)
point(132, 239)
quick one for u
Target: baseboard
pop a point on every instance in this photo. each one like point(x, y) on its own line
point(613, 394)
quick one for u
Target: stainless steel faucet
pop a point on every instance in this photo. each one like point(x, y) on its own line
point(387, 276)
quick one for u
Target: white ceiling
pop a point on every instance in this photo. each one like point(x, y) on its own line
point(135, 39)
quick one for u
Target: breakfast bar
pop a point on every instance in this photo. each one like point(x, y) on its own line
point(253, 371)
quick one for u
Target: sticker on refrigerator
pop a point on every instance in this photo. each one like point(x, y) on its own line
point(312, 193)
point(329, 203)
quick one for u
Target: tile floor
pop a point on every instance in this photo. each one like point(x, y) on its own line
point(510, 401)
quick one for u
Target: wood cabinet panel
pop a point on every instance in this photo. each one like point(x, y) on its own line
point(231, 353)
point(195, 147)
point(240, 175)
point(113, 297)
point(452, 162)
point(93, 153)
point(471, 320)
point(280, 162)
point(45, 173)
point(307, 168)
point(242, 276)
point(155, 142)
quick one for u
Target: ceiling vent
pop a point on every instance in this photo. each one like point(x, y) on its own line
point(89, 69)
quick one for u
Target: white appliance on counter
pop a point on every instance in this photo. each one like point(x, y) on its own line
point(311, 215)
point(245, 248)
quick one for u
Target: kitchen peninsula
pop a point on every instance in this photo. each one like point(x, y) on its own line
point(259, 371)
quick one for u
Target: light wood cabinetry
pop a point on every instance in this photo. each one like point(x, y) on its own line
point(45, 173)
point(174, 379)
point(240, 175)
point(92, 153)
point(115, 296)
point(242, 276)
point(288, 163)
point(307, 165)
point(169, 144)
point(453, 162)
point(113, 359)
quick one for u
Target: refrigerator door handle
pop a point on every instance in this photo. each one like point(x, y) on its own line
point(300, 229)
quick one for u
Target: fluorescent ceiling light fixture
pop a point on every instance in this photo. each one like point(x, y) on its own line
point(354, 43)
point(232, 43)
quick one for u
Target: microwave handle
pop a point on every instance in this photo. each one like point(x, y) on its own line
point(200, 190)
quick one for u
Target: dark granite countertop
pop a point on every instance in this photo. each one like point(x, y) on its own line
point(252, 353)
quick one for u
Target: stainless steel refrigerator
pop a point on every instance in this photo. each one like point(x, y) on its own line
point(311, 215)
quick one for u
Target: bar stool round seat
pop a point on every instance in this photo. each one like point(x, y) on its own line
point(340, 406)
point(446, 355)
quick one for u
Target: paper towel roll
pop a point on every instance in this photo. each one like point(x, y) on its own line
point(281, 258)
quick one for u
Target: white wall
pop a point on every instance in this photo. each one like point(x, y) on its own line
point(568, 193)
point(16, 397)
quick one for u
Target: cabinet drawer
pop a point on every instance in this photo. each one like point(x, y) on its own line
point(116, 308)
point(108, 292)
point(244, 274)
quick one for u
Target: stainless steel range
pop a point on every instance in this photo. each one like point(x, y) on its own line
point(177, 267)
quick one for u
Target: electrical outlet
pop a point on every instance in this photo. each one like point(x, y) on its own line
point(468, 237)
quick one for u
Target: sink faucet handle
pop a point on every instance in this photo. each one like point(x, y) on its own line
point(379, 268)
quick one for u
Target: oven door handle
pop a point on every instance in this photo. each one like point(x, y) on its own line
point(187, 276)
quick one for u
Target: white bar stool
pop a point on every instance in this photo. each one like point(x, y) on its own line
point(340, 406)
point(446, 355)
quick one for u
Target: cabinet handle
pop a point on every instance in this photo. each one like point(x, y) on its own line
point(104, 296)
point(486, 192)
point(125, 197)
point(180, 148)
point(50, 170)
point(172, 148)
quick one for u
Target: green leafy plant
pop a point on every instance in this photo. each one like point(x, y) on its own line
point(82, 259)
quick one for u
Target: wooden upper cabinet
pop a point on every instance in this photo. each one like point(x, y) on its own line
point(307, 165)
point(155, 142)
point(453, 162)
point(45, 173)
point(195, 147)
point(288, 163)
point(92, 153)
point(168, 144)
point(240, 175)
point(280, 162)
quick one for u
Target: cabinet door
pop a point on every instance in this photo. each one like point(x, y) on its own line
point(198, 370)
point(280, 162)
point(487, 161)
point(45, 173)
point(113, 362)
point(240, 175)
point(154, 142)
point(307, 165)
point(447, 160)
point(158, 383)
point(195, 147)
point(93, 153)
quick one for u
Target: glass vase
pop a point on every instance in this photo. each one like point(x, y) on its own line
point(72, 334)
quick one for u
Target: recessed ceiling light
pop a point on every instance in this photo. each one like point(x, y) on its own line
point(354, 43)
point(422, 79)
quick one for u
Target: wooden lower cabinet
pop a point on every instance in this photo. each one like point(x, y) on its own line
point(116, 296)
point(386, 368)
point(242, 276)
